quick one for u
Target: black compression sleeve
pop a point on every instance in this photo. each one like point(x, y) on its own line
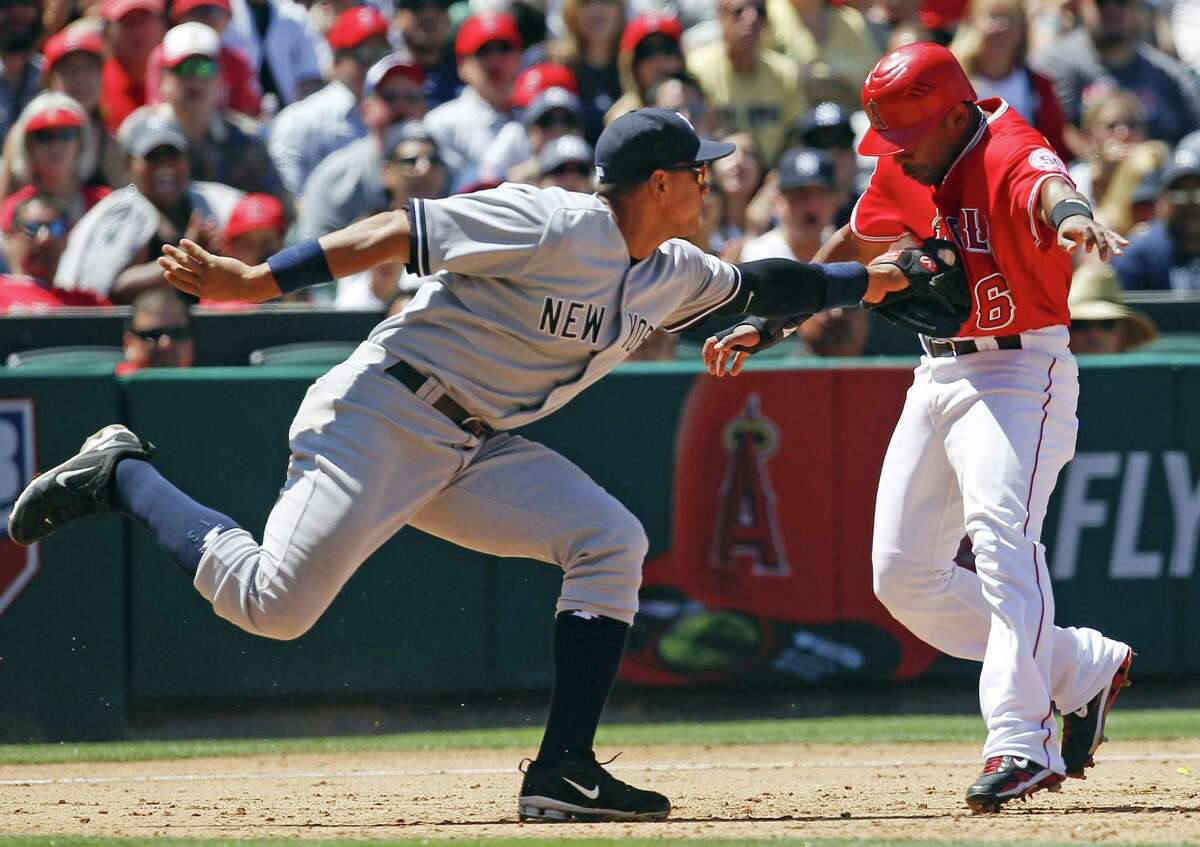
point(782, 288)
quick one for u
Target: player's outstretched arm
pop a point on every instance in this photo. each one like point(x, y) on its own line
point(358, 247)
point(1068, 212)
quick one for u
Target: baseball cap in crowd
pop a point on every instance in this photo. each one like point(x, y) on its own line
point(537, 78)
point(397, 134)
point(640, 142)
point(179, 8)
point(152, 132)
point(354, 26)
point(907, 92)
point(478, 30)
point(254, 212)
point(941, 16)
point(1185, 163)
point(825, 125)
point(550, 99)
point(69, 41)
point(802, 166)
point(400, 62)
point(114, 10)
point(187, 40)
point(56, 117)
point(643, 26)
point(1148, 188)
point(564, 149)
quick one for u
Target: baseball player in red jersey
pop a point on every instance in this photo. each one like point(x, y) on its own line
point(990, 418)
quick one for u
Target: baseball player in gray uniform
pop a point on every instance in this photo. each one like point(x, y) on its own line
point(531, 295)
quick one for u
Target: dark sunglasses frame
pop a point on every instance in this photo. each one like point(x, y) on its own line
point(411, 161)
point(699, 169)
point(557, 118)
point(202, 67)
point(577, 168)
point(494, 48)
point(175, 333)
point(59, 227)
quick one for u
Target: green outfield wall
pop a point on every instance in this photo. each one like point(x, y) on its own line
point(97, 621)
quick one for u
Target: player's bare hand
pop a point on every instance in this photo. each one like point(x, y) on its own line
point(883, 276)
point(723, 355)
point(1081, 231)
point(194, 270)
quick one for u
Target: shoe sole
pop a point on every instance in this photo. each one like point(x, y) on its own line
point(1046, 779)
point(1119, 681)
point(39, 482)
point(549, 810)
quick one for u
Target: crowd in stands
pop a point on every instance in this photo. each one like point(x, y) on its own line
point(246, 125)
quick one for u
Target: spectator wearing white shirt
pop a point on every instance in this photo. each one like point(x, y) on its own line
point(275, 37)
point(805, 208)
point(488, 49)
point(348, 181)
point(308, 131)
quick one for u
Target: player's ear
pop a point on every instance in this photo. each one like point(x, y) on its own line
point(658, 185)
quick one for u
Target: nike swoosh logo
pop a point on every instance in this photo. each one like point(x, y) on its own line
point(62, 478)
point(591, 794)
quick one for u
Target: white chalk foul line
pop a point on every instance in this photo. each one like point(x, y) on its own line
point(266, 776)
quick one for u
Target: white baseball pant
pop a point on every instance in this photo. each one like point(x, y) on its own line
point(368, 457)
point(978, 449)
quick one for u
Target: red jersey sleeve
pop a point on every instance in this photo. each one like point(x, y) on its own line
point(1017, 195)
point(892, 206)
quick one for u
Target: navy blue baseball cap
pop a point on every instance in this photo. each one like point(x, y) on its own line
point(802, 166)
point(640, 142)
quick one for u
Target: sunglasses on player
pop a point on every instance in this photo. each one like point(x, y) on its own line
point(700, 169)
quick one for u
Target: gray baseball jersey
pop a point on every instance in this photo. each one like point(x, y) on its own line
point(531, 297)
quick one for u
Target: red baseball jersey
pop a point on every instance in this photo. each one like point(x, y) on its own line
point(987, 204)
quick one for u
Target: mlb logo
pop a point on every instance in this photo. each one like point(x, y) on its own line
point(17, 465)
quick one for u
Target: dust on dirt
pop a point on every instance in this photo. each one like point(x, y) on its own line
point(1138, 792)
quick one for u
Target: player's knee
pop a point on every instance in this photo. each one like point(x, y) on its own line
point(894, 580)
point(281, 622)
point(616, 536)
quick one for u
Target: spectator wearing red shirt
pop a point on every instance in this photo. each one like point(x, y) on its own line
point(35, 238)
point(49, 153)
point(71, 64)
point(133, 29)
point(240, 90)
point(159, 333)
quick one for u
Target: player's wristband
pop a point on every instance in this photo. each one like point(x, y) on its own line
point(300, 266)
point(1064, 209)
point(845, 284)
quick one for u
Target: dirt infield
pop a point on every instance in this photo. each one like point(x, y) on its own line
point(1137, 793)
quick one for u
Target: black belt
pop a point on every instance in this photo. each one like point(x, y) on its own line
point(413, 380)
point(941, 347)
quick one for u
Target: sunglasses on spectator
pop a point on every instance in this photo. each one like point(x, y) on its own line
point(7, 4)
point(199, 67)
point(656, 45)
point(736, 12)
point(572, 169)
point(1121, 3)
point(56, 228)
point(432, 161)
point(557, 119)
point(366, 54)
point(495, 48)
point(699, 169)
point(1106, 324)
point(49, 136)
point(1183, 197)
point(175, 333)
point(399, 96)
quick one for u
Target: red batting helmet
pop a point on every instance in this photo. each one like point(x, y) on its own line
point(907, 93)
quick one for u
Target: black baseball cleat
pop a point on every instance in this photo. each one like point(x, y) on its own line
point(1083, 730)
point(78, 489)
point(1006, 778)
point(578, 788)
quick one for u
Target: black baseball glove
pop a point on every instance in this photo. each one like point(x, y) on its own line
point(937, 301)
